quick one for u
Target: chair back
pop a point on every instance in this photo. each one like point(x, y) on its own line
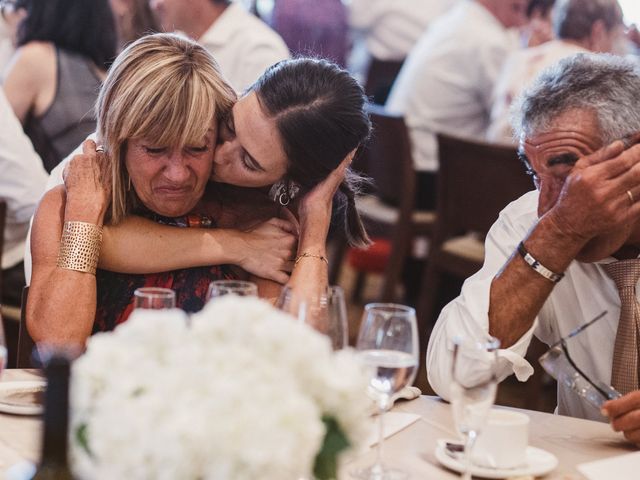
point(475, 182)
point(380, 78)
point(387, 158)
point(25, 342)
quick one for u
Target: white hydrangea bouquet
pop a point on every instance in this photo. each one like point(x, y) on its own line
point(236, 391)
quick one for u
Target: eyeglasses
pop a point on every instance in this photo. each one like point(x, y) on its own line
point(558, 363)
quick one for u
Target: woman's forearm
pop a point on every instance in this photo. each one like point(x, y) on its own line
point(62, 303)
point(139, 245)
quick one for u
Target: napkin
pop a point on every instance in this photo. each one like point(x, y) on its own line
point(622, 467)
point(22, 393)
point(407, 393)
point(393, 423)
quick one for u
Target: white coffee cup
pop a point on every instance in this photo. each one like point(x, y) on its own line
point(503, 441)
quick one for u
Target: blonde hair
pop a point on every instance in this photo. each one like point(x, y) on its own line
point(162, 87)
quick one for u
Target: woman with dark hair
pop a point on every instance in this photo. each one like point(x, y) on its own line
point(303, 120)
point(167, 124)
point(64, 47)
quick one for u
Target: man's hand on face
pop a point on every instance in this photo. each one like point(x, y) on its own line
point(600, 195)
point(624, 415)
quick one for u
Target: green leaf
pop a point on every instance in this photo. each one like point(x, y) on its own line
point(82, 437)
point(335, 441)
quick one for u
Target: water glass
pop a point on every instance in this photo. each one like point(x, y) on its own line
point(218, 288)
point(473, 388)
point(325, 311)
point(154, 298)
point(388, 347)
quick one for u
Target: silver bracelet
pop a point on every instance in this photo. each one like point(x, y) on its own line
point(537, 266)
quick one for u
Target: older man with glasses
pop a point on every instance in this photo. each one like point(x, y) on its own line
point(562, 254)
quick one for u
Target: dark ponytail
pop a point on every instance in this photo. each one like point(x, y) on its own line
point(320, 111)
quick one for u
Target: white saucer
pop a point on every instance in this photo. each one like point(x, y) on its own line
point(539, 462)
point(17, 406)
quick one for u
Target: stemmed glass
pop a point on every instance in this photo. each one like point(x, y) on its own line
point(325, 311)
point(473, 389)
point(154, 298)
point(388, 347)
point(218, 288)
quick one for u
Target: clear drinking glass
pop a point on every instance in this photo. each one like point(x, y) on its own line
point(326, 312)
point(154, 298)
point(388, 347)
point(473, 388)
point(218, 288)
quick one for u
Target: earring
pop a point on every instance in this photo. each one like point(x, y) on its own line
point(283, 192)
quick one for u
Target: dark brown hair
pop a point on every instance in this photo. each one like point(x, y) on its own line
point(320, 113)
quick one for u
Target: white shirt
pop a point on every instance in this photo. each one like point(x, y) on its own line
point(522, 67)
point(392, 27)
point(243, 45)
point(583, 293)
point(22, 182)
point(446, 83)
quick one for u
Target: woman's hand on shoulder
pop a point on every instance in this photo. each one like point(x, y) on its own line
point(88, 185)
point(268, 249)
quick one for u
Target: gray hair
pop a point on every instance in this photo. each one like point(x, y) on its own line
point(605, 84)
point(573, 19)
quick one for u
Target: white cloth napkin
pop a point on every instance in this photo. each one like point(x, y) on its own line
point(393, 423)
point(622, 467)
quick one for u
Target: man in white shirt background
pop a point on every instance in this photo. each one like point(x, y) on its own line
point(242, 44)
point(22, 183)
point(579, 26)
point(553, 259)
point(446, 83)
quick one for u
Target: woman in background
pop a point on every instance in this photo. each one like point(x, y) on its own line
point(53, 80)
point(133, 20)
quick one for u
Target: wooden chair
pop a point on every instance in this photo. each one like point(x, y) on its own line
point(25, 342)
point(389, 210)
point(475, 182)
point(380, 78)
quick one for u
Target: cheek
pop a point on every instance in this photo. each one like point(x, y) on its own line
point(549, 192)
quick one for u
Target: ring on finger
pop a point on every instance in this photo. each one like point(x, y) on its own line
point(630, 195)
point(100, 149)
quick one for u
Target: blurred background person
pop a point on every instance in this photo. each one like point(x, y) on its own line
point(22, 182)
point(579, 26)
point(243, 45)
point(318, 29)
point(133, 20)
point(52, 81)
point(445, 84)
point(9, 19)
point(538, 29)
point(387, 30)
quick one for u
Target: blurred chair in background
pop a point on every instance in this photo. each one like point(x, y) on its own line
point(388, 210)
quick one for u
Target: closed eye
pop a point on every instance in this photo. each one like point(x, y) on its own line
point(155, 150)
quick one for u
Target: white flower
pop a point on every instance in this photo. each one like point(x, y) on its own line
point(237, 391)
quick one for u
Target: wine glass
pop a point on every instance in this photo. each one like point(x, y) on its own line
point(388, 347)
point(325, 311)
point(473, 389)
point(218, 288)
point(154, 298)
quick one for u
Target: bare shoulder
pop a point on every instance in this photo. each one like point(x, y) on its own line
point(36, 54)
